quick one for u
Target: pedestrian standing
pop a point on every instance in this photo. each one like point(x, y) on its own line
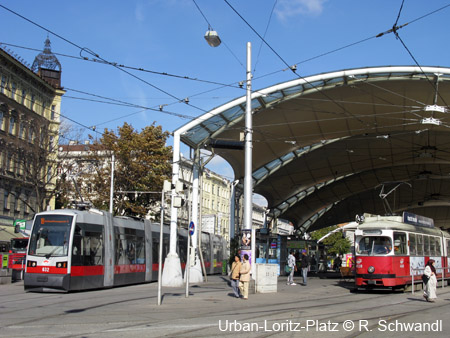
point(304, 264)
point(292, 265)
point(235, 268)
point(244, 278)
point(430, 287)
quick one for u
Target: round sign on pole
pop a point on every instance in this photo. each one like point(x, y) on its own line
point(191, 228)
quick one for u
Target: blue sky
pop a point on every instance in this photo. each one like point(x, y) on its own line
point(167, 36)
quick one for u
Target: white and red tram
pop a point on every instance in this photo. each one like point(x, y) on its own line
point(79, 250)
point(389, 250)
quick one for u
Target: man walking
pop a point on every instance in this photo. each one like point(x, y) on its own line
point(304, 264)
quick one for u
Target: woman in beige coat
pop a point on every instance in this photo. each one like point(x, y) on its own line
point(235, 271)
point(244, 278)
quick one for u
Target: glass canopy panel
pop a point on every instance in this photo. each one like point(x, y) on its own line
point(214, 123)
point(292, 90)
point(314, 84)
point(260, 173)
point(302, 150)
point(273, 97)
point(292, 200)
point(287, 157)
point(233, 113)
point(335, 80)
point(197, 134)
point(255, 104)
point(283, 206)
point(273, 164)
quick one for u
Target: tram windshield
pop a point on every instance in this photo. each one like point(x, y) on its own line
point(374, 245)
point(50, 236)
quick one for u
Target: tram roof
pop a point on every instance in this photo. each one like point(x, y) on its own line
point(324, 145)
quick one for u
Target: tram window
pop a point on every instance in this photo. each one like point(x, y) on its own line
point(438, 246)
point(205, 248)
point(155, 248)
point(121, 247)
point(374, 245)
point(400, 243)
point(448, 248)
point(87, 246)
point(140, 250)
point(217, 250)
point(432, 246)
point(419, 245)
point(412, 244)
point(426, 245)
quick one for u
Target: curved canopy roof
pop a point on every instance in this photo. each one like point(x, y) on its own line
point(326, 147)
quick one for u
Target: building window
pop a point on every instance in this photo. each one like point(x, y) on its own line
point(13, 91)
point(22, 130)
point(12, 123)
point(3, 85)
point(31, 135)
point(49, 173)
point(33, 99)
point(52, 114)
point(24, 94)
point(6, 200)
point(50, 143)
point(43, 109)
point(1, 120)
point(42, 138)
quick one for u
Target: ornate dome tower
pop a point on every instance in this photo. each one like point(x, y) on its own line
point(47, 66)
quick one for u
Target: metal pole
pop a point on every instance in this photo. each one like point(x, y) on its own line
point(188, 263)
point(248, 146)
point(248, 179)
point(111, 192)
point(161, 229)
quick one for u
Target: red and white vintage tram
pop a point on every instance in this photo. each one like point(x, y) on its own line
point(390, 250)
point(79, 250)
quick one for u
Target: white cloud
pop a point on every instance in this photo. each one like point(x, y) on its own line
point(290, 8)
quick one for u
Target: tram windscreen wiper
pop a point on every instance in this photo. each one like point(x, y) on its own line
point(51, 253)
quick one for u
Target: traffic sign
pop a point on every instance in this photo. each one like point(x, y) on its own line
point(191, 228)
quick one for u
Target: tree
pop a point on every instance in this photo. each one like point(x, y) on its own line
point(35, 165)
point(336, 243)
point(142, 163)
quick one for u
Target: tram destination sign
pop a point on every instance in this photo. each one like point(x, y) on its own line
point(414, 219)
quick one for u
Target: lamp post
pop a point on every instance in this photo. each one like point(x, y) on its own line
point(111, 192)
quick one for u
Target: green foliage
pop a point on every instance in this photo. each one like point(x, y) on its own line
point(143, 162)
point(335, 243)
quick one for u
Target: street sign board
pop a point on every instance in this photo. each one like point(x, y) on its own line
point(191, 228)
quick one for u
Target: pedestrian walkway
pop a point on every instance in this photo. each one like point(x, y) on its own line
point(218, 288)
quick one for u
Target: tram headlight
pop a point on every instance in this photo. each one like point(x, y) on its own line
point(31, 264)
point(370, 269)
point(61, 264)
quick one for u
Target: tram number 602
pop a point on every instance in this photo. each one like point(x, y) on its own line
point(44, 269)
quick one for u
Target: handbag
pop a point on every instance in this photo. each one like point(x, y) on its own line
point(425, 278)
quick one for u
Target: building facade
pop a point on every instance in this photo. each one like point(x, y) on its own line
point(30, 103)
point(76, 164)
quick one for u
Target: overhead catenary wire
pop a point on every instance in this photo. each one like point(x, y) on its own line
point(99, 57)
point(411, 21)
